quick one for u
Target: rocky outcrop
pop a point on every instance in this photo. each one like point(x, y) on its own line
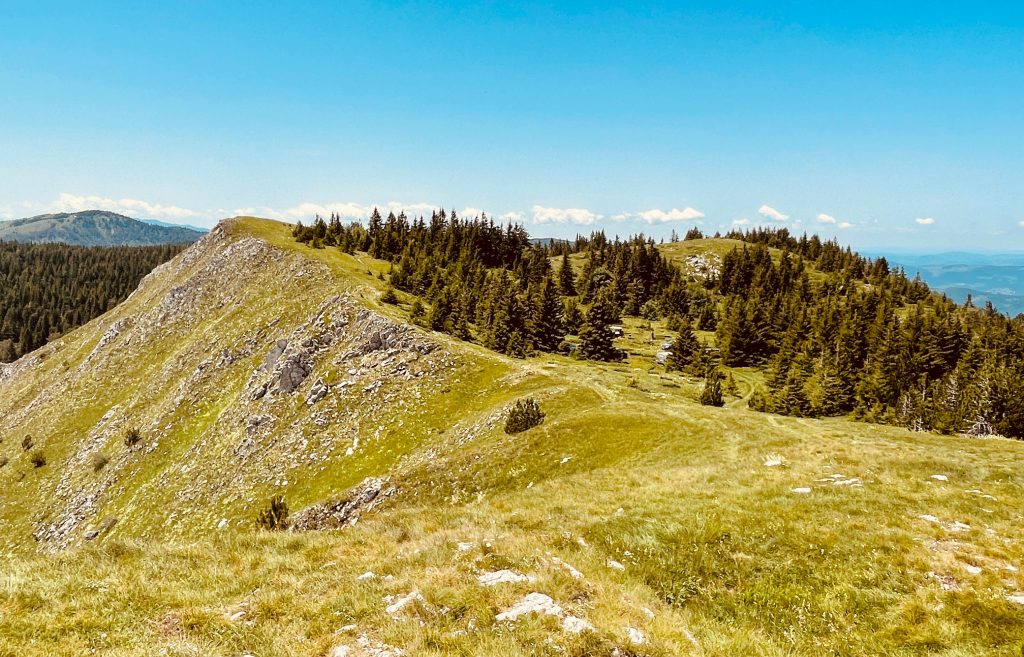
point(344, 512)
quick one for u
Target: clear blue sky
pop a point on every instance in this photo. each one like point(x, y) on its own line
point(900, 127)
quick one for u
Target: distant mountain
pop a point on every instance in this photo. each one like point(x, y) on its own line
point(165, 224)
point(995, 277)
point(94, 228)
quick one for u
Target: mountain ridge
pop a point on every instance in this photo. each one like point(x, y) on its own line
point(94, 228)
point(254, 366)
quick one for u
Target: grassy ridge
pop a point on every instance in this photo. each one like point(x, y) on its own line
point(719, 554)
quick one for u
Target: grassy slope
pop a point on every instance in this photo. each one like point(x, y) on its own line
point(717, 545)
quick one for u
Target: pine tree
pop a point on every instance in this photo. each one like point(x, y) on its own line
point(684, 349)
point(572, 316)
point(566, 277)
point(547, 331)
point(596, 339)
point(711, 395)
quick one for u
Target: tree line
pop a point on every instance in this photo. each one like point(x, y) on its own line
point(833, 332)
point(48, 289)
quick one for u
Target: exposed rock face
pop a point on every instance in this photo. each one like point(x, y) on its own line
point(208, 366)
point(340, 513)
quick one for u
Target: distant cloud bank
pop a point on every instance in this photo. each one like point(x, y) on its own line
point(924, 221)
point(127, 206)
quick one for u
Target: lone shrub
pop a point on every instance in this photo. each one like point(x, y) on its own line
point(275, 516)
point(99, 461)
point(525, 414)
point(3, 461)
point(27, 443)
point(38, 459)
point(132, 436)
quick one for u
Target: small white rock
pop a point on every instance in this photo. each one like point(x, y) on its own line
point(369, 574)
point(341, 651)
point(940, 477)
point(615, 565)
point(1015, 598)
point(401, 603)
point(974, 570)
point(803, 490)
point(575, 574)
point(576, 625)
point(501, 577)
point(929, 518)
point(534, 603)
point(636, 637)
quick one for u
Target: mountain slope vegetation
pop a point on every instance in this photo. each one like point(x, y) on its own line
point(94, 228)
point(643, 522)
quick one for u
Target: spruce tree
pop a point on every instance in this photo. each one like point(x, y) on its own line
point(566, 277)
point(711, 395)
point(572, 316)
point(684, 349)
point(596, 339)
point(546, 327)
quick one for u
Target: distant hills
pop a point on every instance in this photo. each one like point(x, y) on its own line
point(995, 277)
point(95, 228)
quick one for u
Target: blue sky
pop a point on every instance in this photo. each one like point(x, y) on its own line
point(886, 126)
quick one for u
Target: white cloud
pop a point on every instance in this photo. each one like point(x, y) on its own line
point(845, 224)
point(826, 219)
point(347, 211)
point(579, 216)
point(128, 206)
point(772, 213)
point(514, 217)
point(924, 221)
point(743, 221)
point(1021, 223)
point(658, 216)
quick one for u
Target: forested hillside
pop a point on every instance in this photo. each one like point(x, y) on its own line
point(834, 333)
point(94, 228)
point(49, 289)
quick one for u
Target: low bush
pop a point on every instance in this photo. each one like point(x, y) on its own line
point(525, 414)
point(275, 516)
point(132, 436)
point(38, 459)
point(99, 461)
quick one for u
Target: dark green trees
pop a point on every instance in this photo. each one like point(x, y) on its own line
point(566, 277)
point(596, 337)
point(524, 414)
point(49, 289)
point(546, 327)
point(684, 350)
point(711, 395)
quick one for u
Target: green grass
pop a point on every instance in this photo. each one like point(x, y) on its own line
point(720, 556)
